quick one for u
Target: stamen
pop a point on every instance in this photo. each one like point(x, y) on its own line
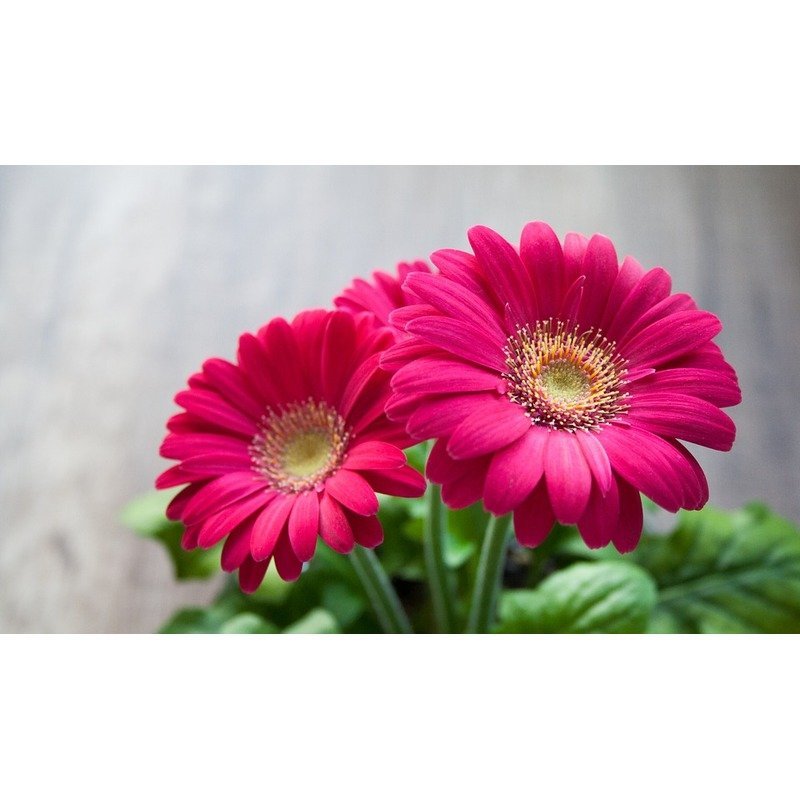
point(565, 378)
point(299, 445)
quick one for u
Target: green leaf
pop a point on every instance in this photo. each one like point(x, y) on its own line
point(247, 622)
point(231, 612)
point(343, 601)
point(319, 620)
point(192, 620)
point(146, 516)
point(604, 597)
point(726, 572)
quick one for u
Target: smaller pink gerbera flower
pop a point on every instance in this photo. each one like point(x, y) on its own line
point(288, 443)
point(383, 295)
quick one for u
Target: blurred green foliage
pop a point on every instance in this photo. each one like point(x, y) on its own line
point(710, 571)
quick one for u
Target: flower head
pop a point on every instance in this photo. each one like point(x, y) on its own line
point(558, 383)
point(289, 442)
point(383, 295)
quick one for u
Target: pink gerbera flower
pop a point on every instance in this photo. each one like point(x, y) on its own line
point(558, 383)
point(383, 295)
point(289, 442)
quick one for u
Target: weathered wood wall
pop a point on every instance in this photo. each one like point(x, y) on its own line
point(115, 283)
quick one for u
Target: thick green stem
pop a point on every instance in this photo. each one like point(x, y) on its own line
point(487, 581)
point(381, 593)
point(439, 578)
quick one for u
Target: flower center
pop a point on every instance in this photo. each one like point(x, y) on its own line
point(299, 445)
point(563, 377)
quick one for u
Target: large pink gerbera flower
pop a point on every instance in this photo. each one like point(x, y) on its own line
point(558, 383)
point(383, 295)
point(289, 442)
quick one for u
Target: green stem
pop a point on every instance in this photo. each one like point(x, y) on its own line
point(439, 579)
point(487, 581)
point(381, 593)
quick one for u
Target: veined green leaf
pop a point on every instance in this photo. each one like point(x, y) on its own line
point(601, 597)
point(726, 572)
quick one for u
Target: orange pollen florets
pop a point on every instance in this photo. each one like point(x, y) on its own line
point(563, 377)
point(299, 445)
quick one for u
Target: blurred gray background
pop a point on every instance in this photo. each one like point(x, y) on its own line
point(116, 283)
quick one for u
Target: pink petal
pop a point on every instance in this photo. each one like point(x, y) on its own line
point(352, 491)
point(683, 417)
point(366, 530)
point(653, 465)
point(174, 476)
point(541, 253)
point(461, 268)
point(219, 493)
point(629, 526)
point(600, 267)
point(374, 455)
point(189, 537)
point(514, 471)
point(455, 301)
point(337, 349)
point(237, 547)
point(575, 245)
point(177, 506)
point(443, 376)
point(229, 381)
point(367, 379)
point(629, 275)
point(488, 429)
point(623, 313)
point(505, 272)
point(210, 407)
point(568, 478)
point(268, 526)
point(370, 410)
point(572, 300)
point(671, 337)
point(401, 317)
point(210, 465)
point(215, 528)
point(700, 496)
point(533, 519)
point(441, 468)
point(707, 356)
point(286, 562)
point(385, 430)
point(333, 525)
point(304, 525)
point(251, 574)
point(286, 363)
point(439, 416)
point(404, 352)
point(369, 339)
point(252, 359)
point(187, 445)
point(461, 338)
point(601, 517)
point(714, 386)
point(597, 459)
point(670, 305)
point(403, 482)
point(400, 405)
point(187, 423)
point(467, 488)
